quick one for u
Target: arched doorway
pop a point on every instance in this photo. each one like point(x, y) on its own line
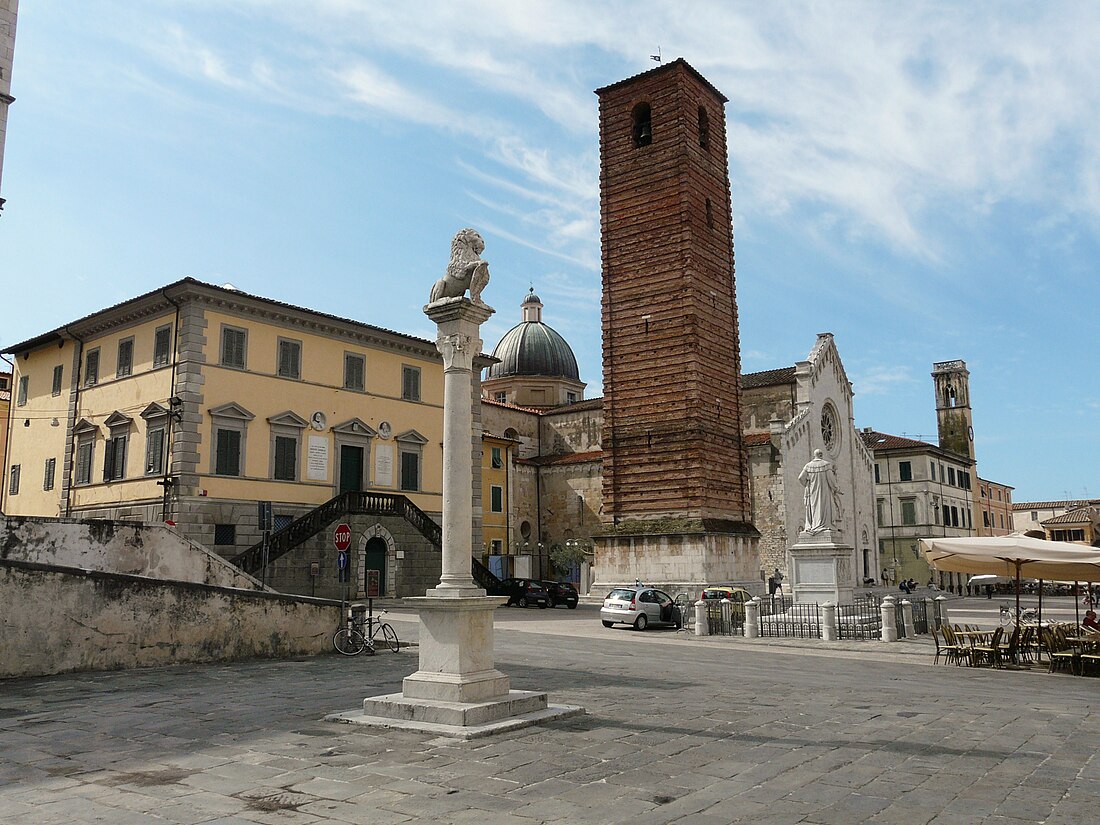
point(375, 559)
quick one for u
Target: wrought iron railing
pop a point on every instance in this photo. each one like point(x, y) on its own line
point(920, 616)
point(484, 577)
point(860, 620)
point(801, 620)
point(352, 502)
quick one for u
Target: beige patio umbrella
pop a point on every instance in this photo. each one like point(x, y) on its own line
point(1014, 555)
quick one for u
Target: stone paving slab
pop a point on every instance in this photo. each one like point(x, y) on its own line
point(677, 730)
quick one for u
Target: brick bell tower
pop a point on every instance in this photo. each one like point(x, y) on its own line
point(953, 413)
point(676, 501)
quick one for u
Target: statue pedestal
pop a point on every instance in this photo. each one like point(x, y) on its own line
point(821, 569)
point(457, 691)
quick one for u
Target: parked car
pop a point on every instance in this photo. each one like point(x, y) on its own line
point(522, 592)
point(736, 595)
point(561, 593)
point(641, 607)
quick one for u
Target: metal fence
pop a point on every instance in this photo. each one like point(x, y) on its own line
point(860, 620)
point(920, 616)
point(725, 618)
point(798, 620)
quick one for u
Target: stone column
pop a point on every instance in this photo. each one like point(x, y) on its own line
point(828, 622)
point(752, 618)
point(702, 626)
point(907, 619)
point(889, 623)
point(458, 342)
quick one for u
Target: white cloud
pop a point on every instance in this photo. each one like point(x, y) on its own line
point(882, 380)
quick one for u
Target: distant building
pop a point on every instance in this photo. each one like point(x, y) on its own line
point(1080, 526)
point(5, 405)
point(1030, 515)
point(921, 490)
point(994, 506)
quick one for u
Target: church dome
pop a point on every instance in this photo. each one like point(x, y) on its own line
point(533, 348)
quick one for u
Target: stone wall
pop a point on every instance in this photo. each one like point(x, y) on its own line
point(572, 432)
point(155, 550)
point(571, 495)
point(59, 619)
point(769, 506)
point(413, 564)
point(759, 405)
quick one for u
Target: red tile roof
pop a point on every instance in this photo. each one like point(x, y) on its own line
point(569, 458)
point(1082, 515)
point(883, 441)
point(1052, 505)
point(510, 406)
point(757, 439)
point(767, 378)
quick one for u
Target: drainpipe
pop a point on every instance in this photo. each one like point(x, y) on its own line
point(7, 441)
point(70, 423)
point(167, 479)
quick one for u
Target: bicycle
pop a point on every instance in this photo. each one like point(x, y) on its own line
point(361, 632)
point(1028, 615)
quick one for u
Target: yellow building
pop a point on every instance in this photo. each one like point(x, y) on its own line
point(5, 406)
point(193, 402)
point(496, 484)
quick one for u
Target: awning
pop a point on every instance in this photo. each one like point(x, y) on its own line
point(1012, 556)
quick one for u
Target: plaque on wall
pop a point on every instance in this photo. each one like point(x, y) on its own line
point(317, 458)
point(383, 465)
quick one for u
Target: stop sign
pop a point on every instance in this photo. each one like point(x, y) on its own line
point(341, 536)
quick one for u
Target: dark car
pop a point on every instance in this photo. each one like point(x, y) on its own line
point(561, 593)
point(522, 592)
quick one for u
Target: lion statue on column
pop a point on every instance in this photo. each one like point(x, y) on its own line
point(465, 271)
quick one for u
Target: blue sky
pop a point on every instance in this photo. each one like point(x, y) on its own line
point(921, 180)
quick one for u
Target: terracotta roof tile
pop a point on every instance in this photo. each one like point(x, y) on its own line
point(1052, 505)
point(1082, 515)
point(757, 439)
point(767, 378)
point(510, 406)
point(580, 406)
point(569, 458)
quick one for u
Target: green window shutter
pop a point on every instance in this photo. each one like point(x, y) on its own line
point(228, 459)
point(154, 452)
point(410, 471)
point(286, 458)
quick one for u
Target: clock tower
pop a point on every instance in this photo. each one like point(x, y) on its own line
point(953, 414)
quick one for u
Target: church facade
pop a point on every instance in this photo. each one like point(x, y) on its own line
point(556, 489)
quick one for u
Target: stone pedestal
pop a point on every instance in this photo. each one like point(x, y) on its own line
point(457, 691)
point(821, 569)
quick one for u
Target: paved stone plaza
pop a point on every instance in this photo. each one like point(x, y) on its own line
point(677, 730)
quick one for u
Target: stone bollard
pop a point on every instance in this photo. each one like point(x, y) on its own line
point(702, 626)
point(941, 611)
point(828, 622)
point(907, 619)
point(889, 627)
point(727, 615)
point(930, 612)
point(752, 618)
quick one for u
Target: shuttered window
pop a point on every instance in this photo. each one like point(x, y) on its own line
point(47, 478)
point(24, 389)
point(58, 376)
point(497, 499)
point(162, 346)
point(125, 358)
point(410, 383)
point(114, 458)
point(91, 368)
point(286, 458)
point(355, 372)
point(410, 471)
point(234, 343)
point(290, 359)
point(154, 452)
point(13, 484)
point(84, 451)
point(228, 460)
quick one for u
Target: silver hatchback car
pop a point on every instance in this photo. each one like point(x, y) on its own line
point(641, 607)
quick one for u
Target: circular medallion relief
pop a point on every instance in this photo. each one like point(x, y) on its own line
point(830, 428)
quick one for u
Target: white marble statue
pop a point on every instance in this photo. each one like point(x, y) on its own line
point(465, 271)
point(822, 495)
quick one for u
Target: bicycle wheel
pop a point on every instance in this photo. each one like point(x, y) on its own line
point(349, 642)
point(390, 635)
